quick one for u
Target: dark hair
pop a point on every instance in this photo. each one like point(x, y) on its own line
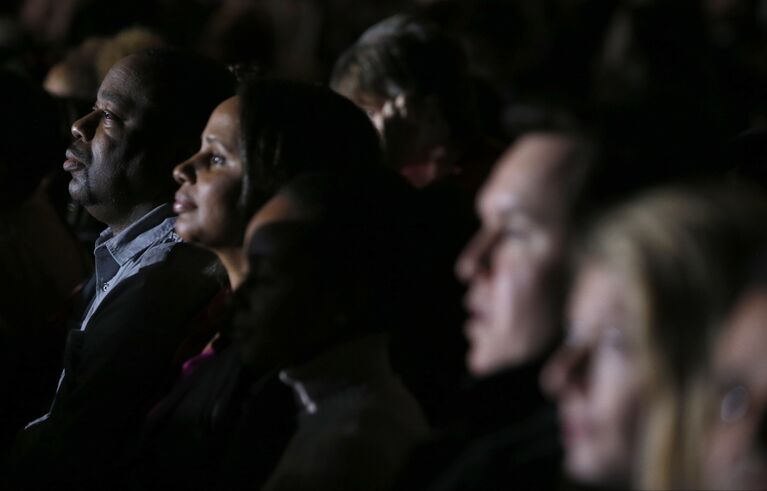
point(291, 128)
point(29, 143)
point(185, 88)
point(358, 224)
point(402, 55)
point(755, 276)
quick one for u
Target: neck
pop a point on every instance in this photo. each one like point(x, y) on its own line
point(119, 221)
point(235, 263)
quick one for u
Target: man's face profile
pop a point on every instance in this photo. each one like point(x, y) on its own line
point(111, 141)
point(510, 264)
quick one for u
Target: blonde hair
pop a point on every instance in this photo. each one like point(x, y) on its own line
point(683, 253)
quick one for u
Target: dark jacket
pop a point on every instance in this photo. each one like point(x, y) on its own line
point(116, 370)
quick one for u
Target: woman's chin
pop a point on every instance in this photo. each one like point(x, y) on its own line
point(185, 230)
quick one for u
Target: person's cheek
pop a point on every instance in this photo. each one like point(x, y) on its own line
point(619, 403)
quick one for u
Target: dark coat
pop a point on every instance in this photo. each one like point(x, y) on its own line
point(116, 371)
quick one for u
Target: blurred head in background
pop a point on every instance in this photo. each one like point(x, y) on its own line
point(412, 79)
point(737, 451)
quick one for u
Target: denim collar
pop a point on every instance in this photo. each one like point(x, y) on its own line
point(140, 235)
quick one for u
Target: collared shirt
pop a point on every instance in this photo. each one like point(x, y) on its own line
point(145, 242)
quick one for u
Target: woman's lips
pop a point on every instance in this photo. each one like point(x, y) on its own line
point(183, 204)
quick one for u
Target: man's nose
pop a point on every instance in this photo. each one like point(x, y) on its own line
point(474, 258)
point(84, 128)
point(185, 172)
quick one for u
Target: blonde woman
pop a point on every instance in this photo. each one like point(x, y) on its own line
point(653, 281)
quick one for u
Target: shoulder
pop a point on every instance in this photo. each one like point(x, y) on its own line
point(183, 281)
point(182, 261)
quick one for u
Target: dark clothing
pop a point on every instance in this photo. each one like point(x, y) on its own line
point(432, 371)
point(220, 427)
point(357, 423)
point(40, 266)
point(118, 365)
point(504, 435)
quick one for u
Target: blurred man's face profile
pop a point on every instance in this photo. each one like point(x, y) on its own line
point(511, 264)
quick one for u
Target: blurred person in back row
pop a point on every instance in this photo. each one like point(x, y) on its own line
point(737, 449)
point(413, 81)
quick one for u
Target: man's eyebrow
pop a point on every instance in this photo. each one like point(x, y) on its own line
point(119, 100)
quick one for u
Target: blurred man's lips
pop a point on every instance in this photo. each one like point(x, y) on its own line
point(473, 312)
point(474, 325)
point(72, 163)
point(574, 431)
point(183, 204)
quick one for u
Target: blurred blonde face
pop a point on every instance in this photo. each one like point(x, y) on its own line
point(737, 457)
point(510, 265)
point(595, 379)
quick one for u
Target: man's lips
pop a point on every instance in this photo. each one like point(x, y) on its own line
point(183, 204)
point(72, 163)
point(473, 311)
point(575, 430)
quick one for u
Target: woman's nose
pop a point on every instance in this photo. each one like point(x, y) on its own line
point(566, 369)
point(185, 172)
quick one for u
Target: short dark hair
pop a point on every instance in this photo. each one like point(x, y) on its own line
point(183, 88)
point(360, 225)
point(290, 128)
point(403, 55)
point(186, 88)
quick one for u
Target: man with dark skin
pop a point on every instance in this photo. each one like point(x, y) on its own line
point(133, 322)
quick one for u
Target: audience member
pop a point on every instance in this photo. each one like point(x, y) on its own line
point(413, 81)
point(270, 132)
point(654, 280)
point(74, 83)
point(514, 270)
point(184, 363)
point(147, 284)
point(735, 456)
point(324, 288)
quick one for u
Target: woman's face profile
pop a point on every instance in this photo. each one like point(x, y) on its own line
point(595, 379)
point(211, 183)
